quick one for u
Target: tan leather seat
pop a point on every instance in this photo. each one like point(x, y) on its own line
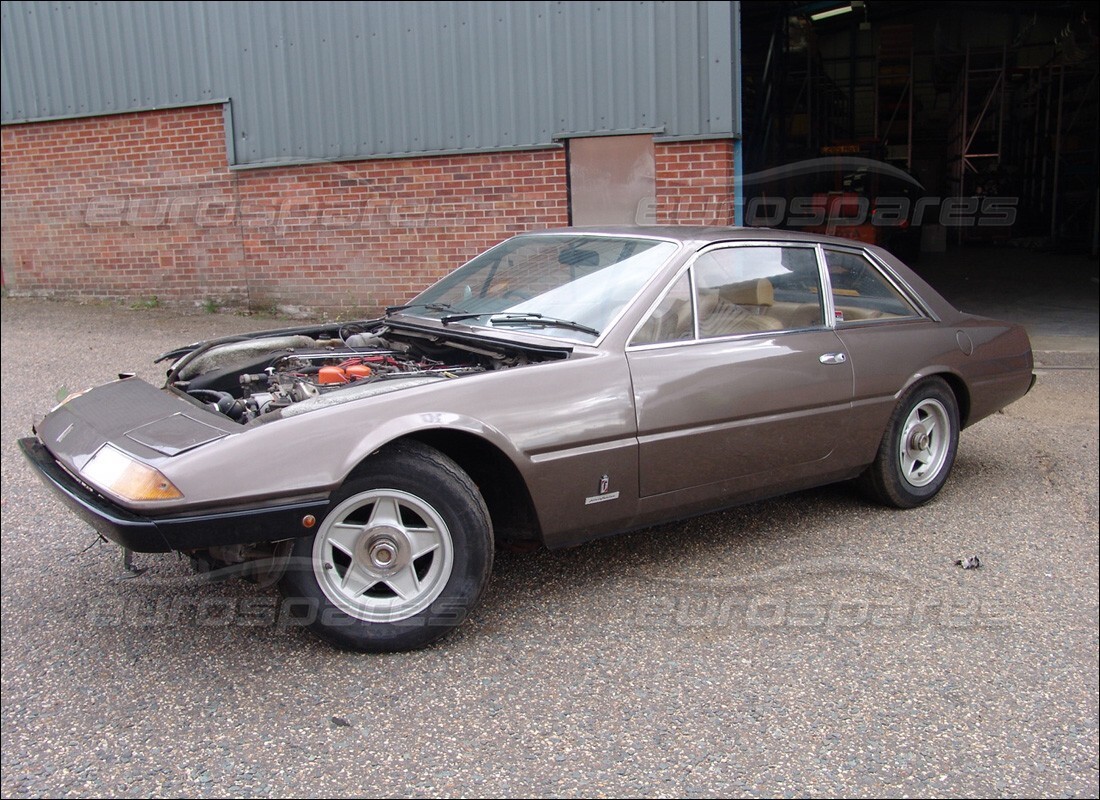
point(679, 324)
point(737, 308)
point(758, 293)
point(719, 317)
point(668, 324)
point(798, 315)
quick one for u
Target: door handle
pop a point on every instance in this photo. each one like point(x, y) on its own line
point(833, 358)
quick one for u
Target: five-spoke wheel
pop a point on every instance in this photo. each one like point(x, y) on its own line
point(918, 447)
point(925, 442)
point(383, 555)
point(401, 557)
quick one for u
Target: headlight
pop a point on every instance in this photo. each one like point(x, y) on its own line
point(115, 471)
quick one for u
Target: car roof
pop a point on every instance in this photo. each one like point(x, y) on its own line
point(700, 234)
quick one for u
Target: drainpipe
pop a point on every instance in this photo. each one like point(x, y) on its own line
point(738, 132)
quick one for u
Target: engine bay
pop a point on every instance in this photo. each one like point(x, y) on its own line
point(268, 375)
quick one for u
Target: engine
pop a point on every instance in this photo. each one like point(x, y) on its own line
point(307, 375)
point(258, 376)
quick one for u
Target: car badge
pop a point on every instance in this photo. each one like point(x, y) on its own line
point(604, 495)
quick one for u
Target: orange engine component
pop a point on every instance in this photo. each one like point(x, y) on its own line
point(343, 374)
point(332, 375)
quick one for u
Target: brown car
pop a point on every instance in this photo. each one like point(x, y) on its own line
point(561, 386)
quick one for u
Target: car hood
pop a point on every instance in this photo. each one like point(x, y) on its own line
point(133, 416)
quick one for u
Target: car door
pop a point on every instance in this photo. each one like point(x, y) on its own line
point(737, 372)
point(884, 328)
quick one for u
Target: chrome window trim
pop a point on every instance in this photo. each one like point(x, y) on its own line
point(689, 265)
point(826, 288)
point(660, 299)
point(732, 337)
point(903, 286)
point(920, 308)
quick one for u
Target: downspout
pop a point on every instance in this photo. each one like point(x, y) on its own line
point(738, 132)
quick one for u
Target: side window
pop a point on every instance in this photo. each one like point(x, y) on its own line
point(750, 289)
point(861, 292)
point(673, 319)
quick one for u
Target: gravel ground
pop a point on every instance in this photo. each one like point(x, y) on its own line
point(807, 645)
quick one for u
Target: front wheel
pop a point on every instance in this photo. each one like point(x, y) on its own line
point(918, 448)
point(402, 555)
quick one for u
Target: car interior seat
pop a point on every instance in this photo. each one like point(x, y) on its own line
point(737, 308)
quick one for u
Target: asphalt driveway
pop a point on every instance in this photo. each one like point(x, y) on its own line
point(812, 644)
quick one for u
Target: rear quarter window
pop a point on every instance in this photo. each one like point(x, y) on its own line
point(861, 292)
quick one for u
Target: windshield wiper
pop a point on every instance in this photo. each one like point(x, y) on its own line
point(460, 316)
point(539, 319)
point(429, 306)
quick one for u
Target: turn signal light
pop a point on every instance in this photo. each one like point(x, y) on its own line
point(118, 473)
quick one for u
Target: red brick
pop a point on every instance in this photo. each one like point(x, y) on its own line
point(143, 204)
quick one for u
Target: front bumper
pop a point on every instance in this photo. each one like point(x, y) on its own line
point(163, 534)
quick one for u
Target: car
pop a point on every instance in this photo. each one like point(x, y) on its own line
point(563, 385)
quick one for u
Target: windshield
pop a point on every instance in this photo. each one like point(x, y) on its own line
point(566, 286)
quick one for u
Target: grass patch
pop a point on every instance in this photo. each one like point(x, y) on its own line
point(146, 303)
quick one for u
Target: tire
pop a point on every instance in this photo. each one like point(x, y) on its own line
point(918, 448)
point(402, 555)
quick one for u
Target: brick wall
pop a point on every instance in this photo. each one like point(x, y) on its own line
point(371, 233)
point(695, 182)
point(143, 205)
point(107, 207)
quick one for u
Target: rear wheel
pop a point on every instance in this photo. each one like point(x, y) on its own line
point(402, 555)
point(918, 448)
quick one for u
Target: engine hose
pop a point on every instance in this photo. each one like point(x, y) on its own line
point(223, 402)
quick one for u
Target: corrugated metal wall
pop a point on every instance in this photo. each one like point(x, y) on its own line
point(335, 80)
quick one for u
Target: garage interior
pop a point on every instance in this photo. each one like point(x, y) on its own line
point(976, 101)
